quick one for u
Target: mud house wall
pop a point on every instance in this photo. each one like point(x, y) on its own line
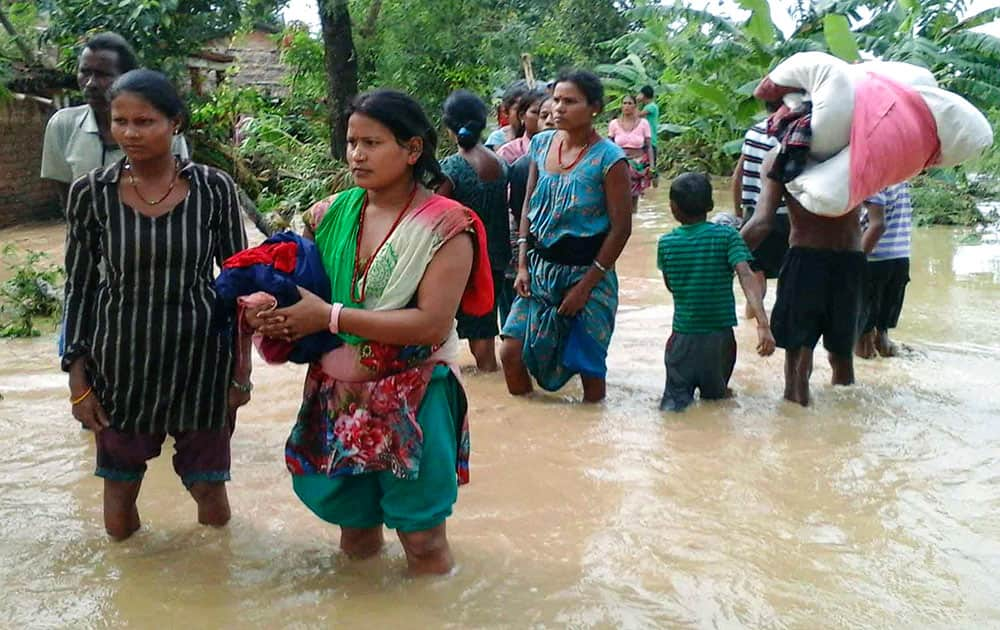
point(24, 196)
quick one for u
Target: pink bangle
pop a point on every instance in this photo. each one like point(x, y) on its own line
point(335, 309)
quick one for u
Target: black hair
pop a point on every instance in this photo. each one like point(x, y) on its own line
point(625, 96)
point(692, 193)
point(153, 87)
point(405, 118)
point(530, 98)
point(465, 114)
point(587, 82)
point(647, 91)
point(114, 42)
point(514, 91)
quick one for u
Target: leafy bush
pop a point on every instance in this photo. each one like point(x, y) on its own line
point(28, 295)
point(943, 197)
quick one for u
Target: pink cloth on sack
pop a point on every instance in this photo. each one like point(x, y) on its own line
point(893, 136)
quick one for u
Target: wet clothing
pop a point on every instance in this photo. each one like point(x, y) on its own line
point(140, 300)
point(767, 258)
point(635, 138)
point(756, 145)
point(201, 455)
point(418, 504)
point(568, 221)
point(697, 262)
point(889, 263)
point(514, 149)
point(72, 146)
point(360, 401)
point(639, 172)
point(652, 113)
point(488, 199)
point(819, 294)
point(701, 361)
point(498, 137)
point(885, 290)
point(898, 208)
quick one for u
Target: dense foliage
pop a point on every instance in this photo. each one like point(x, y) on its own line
point(706, 66)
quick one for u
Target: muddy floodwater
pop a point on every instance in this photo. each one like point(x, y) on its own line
point(878, 507)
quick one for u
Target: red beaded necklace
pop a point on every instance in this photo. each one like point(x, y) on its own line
point(559, 149)
point(363, 276)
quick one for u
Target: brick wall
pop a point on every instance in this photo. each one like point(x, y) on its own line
point(24, 196)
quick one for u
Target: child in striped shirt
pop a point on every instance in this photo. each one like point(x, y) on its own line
point(697, 260)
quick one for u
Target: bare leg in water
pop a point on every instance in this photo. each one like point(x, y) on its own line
point(121, 516)
point(213, 502)
point(884, 346)
point(361, 543)
point(514, 370)
point(594, 389)
point(427, 551)
point(865, 347)
point(798, 369)
point(484, 352)
point(843, 369)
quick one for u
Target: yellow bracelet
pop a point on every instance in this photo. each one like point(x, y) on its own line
point(77, 401)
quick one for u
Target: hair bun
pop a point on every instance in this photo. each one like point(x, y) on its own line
point(465, 132)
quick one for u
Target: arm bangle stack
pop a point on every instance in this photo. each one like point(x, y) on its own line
point(600, 267)
point(522, 240)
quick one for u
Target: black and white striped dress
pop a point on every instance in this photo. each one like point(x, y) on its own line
point(140, 299)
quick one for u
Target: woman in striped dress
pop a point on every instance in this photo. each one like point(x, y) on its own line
point(143, 237)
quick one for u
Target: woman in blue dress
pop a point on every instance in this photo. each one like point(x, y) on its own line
point(576, 221)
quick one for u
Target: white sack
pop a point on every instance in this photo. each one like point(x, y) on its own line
point(830, 83)
point(824, 188)
point(898, 71)
point(963, 130)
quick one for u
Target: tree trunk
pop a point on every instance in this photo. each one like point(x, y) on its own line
point(29, 55)
point(341, 69)
point(368, 28)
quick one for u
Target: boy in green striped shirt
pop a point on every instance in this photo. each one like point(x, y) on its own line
point(698, 260)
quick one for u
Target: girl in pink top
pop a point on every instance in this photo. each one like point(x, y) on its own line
point(631, 132)
point(527, 113)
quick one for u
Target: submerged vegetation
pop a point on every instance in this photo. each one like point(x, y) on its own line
point(30, 294)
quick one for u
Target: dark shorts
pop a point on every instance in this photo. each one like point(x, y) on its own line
point(771, 253)
point(703, 362)
point(198, 455)
point(819, 295)
point(885, 289)
point(484, 327)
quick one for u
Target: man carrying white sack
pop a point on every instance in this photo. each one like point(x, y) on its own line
point(820, 285)
point(887, 225)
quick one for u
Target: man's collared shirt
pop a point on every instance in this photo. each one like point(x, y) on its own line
point(73, 146)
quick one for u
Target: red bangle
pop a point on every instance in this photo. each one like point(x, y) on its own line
point(335, 309)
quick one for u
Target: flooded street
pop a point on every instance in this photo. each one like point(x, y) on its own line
point(878, 507)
